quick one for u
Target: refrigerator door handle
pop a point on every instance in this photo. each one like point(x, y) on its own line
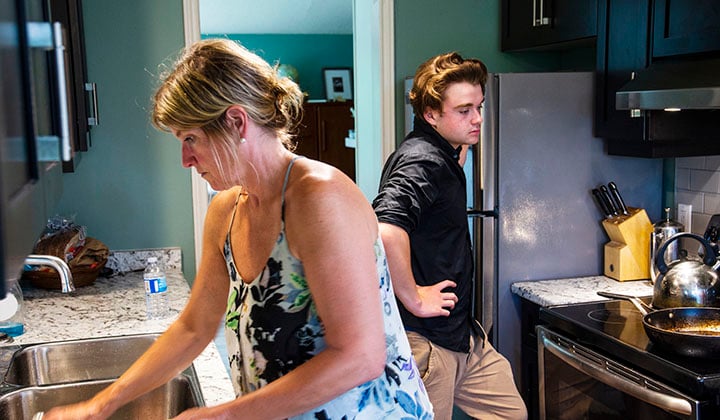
point(482, 213)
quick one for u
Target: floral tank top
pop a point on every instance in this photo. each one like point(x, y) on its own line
point(271, 327)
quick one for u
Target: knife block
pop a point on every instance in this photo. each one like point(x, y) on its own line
point(627, 255)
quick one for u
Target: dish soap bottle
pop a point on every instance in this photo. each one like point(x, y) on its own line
point(11, 311)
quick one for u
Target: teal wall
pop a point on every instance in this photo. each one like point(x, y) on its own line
point(309, 54)
point(130, 189)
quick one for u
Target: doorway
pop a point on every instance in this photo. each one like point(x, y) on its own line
point(373, 78)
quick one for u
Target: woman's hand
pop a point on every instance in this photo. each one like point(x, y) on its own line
point(86, 410)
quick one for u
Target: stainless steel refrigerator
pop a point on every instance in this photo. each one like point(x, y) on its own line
point(529, 183)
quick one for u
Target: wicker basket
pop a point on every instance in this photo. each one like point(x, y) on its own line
point(49, 279)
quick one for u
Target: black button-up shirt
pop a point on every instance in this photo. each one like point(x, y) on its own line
point(423, 191)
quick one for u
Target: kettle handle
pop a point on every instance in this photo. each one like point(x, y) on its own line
point(708, 259)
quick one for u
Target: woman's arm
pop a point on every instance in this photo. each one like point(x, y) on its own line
point(181, 343)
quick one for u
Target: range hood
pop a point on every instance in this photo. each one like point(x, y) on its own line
point(687, 84)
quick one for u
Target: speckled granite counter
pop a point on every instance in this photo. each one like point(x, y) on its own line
point(116, 306)
point(577, 290)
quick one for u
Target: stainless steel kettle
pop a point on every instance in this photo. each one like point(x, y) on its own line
point(662, 231)
point(686, 281)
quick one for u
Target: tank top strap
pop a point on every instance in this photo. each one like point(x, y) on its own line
point(287, 177)
point(232, 217)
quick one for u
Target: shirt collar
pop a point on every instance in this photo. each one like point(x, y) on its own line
point(422, 126)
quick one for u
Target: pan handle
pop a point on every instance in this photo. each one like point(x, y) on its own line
point(639, 304)
point(603, 374)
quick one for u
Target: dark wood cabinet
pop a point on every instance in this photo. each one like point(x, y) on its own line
point(322, 134)
point(683, 27)
point(545, 24)
point(633, 35)
point(622, 48)
point(529, 388)
point(81, 98)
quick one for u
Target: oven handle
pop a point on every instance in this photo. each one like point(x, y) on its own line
point(658, 399)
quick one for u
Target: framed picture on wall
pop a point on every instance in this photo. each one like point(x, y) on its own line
point(338, 84)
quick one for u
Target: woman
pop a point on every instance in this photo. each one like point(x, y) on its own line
point(312, 326)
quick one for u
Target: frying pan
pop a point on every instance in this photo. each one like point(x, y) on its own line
point(687, 331)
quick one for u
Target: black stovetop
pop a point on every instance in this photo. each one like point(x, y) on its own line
point(615, 328)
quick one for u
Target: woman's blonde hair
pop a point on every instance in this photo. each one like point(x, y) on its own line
point(433, 77)
point(214, 74)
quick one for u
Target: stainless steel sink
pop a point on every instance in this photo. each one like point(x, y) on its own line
point(42, 376)
point(78, 360)
point(168, 401)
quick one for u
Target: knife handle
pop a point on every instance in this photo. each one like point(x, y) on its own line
point(617, 198)
point(605, 194)
point(598, 198)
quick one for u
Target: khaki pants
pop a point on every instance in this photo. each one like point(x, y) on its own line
point(479, 383)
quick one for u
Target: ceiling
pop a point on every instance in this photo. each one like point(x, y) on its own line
point(276, 16)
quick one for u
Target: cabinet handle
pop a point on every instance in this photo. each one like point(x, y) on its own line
point(539, 18)
point(65, 148)
point(94, 119)
point(635, 113)
point(49, 37)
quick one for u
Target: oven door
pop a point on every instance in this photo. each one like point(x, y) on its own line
point(578, 383)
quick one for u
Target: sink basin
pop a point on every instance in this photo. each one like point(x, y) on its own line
point(77, 360)
point(42, 376)
point(181, 393)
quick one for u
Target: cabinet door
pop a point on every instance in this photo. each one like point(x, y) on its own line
point(46, 116)
point(685, 27)
point(69, 14)
point(622, 48)
point(529, 387)
point(307, 140)
point(542, 23)
point(334, 121)
point(22, 194)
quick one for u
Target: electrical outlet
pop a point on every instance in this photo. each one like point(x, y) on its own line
point(684, 215)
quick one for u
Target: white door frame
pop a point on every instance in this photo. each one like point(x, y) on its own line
point(374, 70)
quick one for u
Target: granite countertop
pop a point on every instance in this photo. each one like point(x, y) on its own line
point(578, 290)
point(112, 307)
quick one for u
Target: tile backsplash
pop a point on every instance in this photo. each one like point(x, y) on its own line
point(697, 182)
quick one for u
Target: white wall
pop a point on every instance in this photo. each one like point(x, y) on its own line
point(697, 182)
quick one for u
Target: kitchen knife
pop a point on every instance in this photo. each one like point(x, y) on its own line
point(619, 203)
point(605, 209)
point(605, 195)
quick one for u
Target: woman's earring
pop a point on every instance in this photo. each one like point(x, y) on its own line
point(243, 140)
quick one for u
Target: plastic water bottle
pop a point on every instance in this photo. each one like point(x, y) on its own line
point(156, 299)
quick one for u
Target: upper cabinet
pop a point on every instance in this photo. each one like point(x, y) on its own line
point(622, 48)
point(533, 24)
point(643, 36)
point(81, 95)
point(30, 135)
point(681, 27)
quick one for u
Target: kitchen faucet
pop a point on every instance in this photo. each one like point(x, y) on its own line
point(58, 264)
